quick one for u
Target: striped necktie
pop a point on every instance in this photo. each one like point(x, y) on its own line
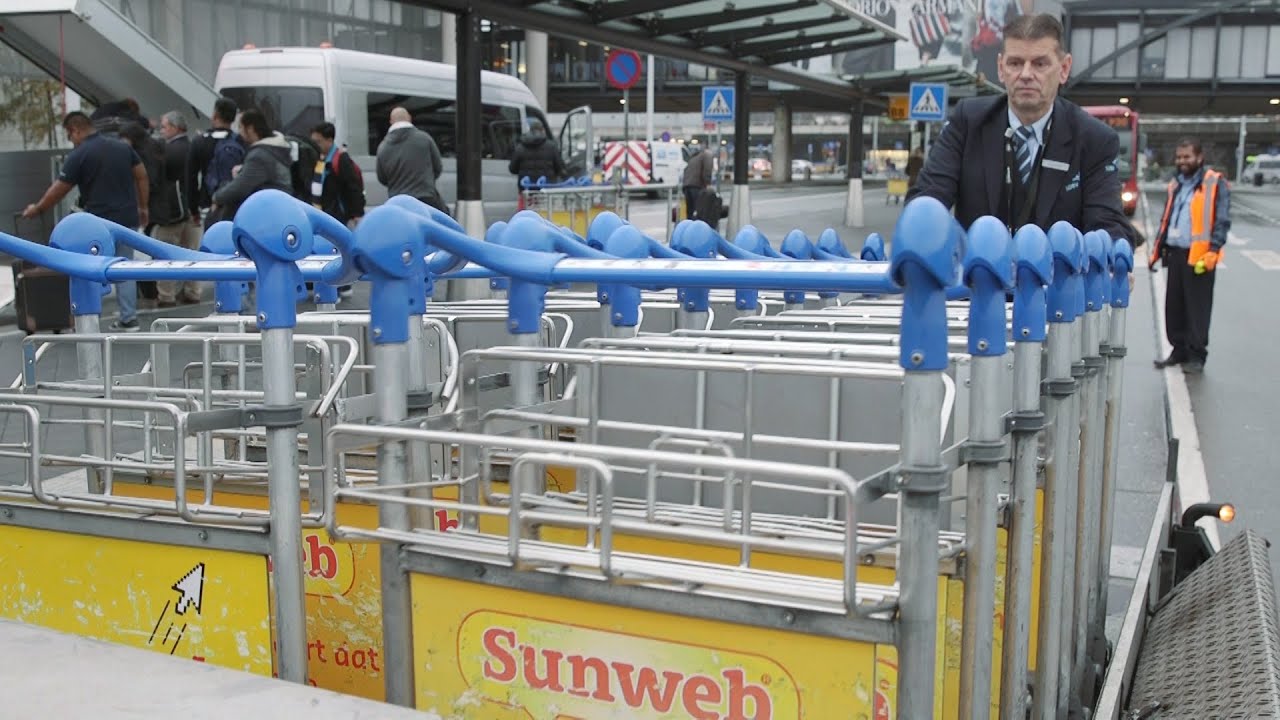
point(1025, 135)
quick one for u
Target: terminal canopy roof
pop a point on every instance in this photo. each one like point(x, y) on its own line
point(889, 82)
point(755, 36)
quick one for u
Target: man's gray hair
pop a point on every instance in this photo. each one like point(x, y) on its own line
point(176, 119)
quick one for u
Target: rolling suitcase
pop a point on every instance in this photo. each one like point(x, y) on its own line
point(41, 297)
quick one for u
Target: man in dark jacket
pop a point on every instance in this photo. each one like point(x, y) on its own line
point(537, 156)
point(266, 166)
point(697, 177)
point(1028, 157)
point(409, 161)
point(201, 183)
point(172, 216)
point(113, 186)
point(338, 185)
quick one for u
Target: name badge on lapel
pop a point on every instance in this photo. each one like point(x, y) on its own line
point(1056, 165)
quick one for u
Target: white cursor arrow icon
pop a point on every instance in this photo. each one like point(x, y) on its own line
point(190, 589)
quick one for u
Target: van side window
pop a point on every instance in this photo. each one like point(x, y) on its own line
point(291, 110)
point(434, 115)
point(501, 131)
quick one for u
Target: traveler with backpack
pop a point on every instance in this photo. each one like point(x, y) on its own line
point(337, 185)
point(409, 161)
point(268, 164)
point(214, 155)
point(172, 215)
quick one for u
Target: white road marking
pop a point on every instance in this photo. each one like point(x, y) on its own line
point(1234, 239)
point(1193, 482)
point(6, 287)
point(1265, 259)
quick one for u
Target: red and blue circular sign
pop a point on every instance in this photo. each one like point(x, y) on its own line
point(622, 68)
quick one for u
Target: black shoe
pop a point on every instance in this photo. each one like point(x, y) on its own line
point(1173, 359)
point(125, 326)
point(1193, 367)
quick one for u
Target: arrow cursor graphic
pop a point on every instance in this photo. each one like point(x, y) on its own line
point(190, 589)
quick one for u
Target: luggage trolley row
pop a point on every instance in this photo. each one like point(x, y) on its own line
point(738, 516)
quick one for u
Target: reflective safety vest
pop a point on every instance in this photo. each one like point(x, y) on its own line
point(1203, 206)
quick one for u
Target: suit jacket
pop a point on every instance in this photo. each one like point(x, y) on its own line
point(966, 168)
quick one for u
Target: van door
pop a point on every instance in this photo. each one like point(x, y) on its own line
point(576, 142)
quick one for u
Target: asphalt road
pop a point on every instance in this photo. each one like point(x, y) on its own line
point(1237, 401)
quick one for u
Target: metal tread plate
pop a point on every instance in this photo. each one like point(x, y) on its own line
point(1213, 649)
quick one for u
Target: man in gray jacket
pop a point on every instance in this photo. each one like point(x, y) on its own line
point(409, 161)
point(266, 166)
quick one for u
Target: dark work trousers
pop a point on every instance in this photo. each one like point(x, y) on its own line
point(691, 193)
point(1188, 303)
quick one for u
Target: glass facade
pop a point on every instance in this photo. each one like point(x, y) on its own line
point(198, 32)
point(1241, 52)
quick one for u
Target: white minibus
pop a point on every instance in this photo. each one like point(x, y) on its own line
point(298, 88)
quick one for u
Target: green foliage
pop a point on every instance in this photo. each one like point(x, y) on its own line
point(31, 106)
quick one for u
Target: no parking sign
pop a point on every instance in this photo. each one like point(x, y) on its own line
point(622, 68)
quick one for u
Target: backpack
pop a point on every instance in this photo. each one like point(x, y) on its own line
point(303, 155)
point(317, 191)
point(227, 153)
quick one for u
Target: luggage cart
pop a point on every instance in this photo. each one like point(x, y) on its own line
point(597, 551)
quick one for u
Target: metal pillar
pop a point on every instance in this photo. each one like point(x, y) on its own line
point(1122, 267)
point(922, 477)
point(419, 453)
point(1244, 132)
point(88, 367)
point(1030, 317)
point(853, 202)
point(535, 64)
point(469, 210)
point(922, 392)
point(649, 89)
point(390, 390)
point(1059, 521)
point(390, 245)
point(740, 203)
point(1071, 473)
point(449, 38)
point(285, 499)
point(985, 452)
point(781, 157)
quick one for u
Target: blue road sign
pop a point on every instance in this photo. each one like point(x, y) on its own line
point(623, 68)
point(928, 101)
point(717, 103)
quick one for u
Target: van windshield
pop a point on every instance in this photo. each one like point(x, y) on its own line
point(291, 110)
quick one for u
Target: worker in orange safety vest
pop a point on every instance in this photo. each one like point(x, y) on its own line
point(1192, 233)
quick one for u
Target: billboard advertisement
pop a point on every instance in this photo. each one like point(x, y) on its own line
point(958, 33)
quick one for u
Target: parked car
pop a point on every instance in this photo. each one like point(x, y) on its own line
point(1264, 169)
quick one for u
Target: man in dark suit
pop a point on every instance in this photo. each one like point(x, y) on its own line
point(1028, 156)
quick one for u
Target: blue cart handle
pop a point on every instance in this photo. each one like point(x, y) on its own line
point(79, 231)
point(926, 240)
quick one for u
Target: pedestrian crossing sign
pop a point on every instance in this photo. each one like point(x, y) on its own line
point(717, 103)
point(928, 101)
